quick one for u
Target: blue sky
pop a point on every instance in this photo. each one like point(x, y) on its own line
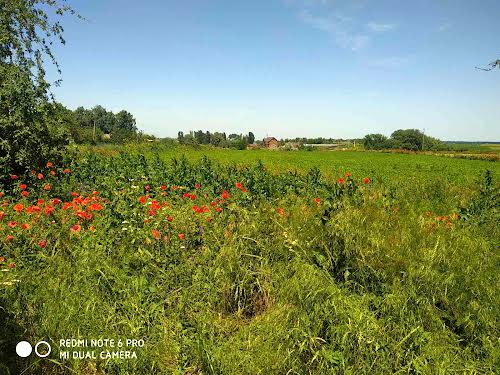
point(288, 68)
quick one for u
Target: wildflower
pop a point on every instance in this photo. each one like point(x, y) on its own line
point(366, 180)
point(175, 187)
point(2, 215)
point(92, 228)
point(156, 234)
point(74, 194)
point(49, 164)
point(186, 195)
point(218, 209)
point(56, 201)
point(239, 185)
point(66, 171)
point(280, 211)
point(53, 173)
point(182, 236)
point(209, 219)
point(11, 265)
point(47, 187)
point(170, 219)
point(48, 210)
point(163, 187)
point(340, 180)
point(24, 193)
point(454, 216)
point(40, 201)
point(243, 190)
point(23, 186)
point(142, 199)
point(18, 207)
point(76, 228)
point(146, 187)
point(193, 197)
point(25, 226)
point(197, 186)
point(348, 174)
point(317, 200)
point(225, 194)
point(40, 176)
point(42, 243)
point(96, 207)
point(9, 238)
point(13, 177)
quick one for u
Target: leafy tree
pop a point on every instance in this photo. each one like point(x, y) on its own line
point(27, 125)
point(375, 142)
point(251, 138)
point(125, 121)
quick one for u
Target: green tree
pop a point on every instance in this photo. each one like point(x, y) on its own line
point(251, 138)
point(375, 142)
point(27, 125)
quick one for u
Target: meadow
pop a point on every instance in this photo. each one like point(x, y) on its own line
point(253, 262)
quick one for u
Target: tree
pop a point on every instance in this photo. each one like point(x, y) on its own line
point(409, 139)
point(251, 138)
point(125, 121)
point(491, 66)
point(375, 141)
point(27, 128)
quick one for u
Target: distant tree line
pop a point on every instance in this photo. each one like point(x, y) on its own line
point(91, 125)
point(217, 139)
point(407, 139)
point(319, 140)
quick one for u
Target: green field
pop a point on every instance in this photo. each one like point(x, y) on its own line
point(309, 263)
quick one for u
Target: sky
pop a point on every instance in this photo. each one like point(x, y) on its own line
point(287, 68)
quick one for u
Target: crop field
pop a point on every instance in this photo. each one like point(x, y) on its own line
point(252, 262)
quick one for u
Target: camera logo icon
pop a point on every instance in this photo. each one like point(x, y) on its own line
point(42, 349)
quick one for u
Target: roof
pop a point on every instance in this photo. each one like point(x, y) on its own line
point(269, 139)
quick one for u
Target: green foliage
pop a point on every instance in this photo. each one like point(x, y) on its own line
point(301, 273)
point(407, 139)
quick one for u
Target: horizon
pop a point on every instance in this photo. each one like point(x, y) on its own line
point(336, 68)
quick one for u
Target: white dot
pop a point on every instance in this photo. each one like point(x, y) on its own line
point(23, 349)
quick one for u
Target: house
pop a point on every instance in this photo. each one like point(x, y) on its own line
point(251, 146)
point(270, 142)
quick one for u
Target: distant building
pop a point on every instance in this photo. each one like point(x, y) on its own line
point(270, 142)
point(252, 145)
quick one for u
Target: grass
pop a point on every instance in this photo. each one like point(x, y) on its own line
point(397, 275)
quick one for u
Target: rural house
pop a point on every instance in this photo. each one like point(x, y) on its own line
point(270, 142)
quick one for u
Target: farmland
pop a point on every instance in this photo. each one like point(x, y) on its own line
point(306, 262)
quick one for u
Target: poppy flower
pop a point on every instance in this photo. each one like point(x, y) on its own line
point(74, 194)
point(366, 180)
point(76, 228)
point(66, 171)
point(2, 215)
point(193, 197)
point(42, 243)
point(92, 228)
point(243, 190)
point(47, 187)
point(13, 177)
point(182, 236)
point(197, 186)
point(280, 211)
point(9, 238)
point(146, 187)
point(348, 174)
point(18, 207)
point(25, 226)
point(175, 187)
point(186, 195)
point(142, 199)
point(53, 173)
point(340, 180)
point(218, 209)
point(23, 186)
point(48, 210)
point(156, 234)
point(170, 219)
point(40, 201)
point(317, 200)
point(163, 187)
point(24, 193)
point(95, 193)
point(49, 164)
point(11, 265)
point(225, 194)
point(40, 176)
point(56, 201)
point(239, 185)
point(209, 219)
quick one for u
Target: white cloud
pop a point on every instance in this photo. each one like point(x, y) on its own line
point(375, 27)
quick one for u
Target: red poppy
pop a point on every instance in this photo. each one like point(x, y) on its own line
point(92, 228)
point(243, 190)
point(175, 187)
point(53, 173)
point(193, 197)
point(9, 238)
point(25, 226)
point(366, 180)
point(182, 236)
point(218, 209)
point(94, 193)
point(225, 194)
point(163, 187)
point(40, 201)
point(23, 186)
point(18, 207)
point(12, 224)
point(47, 187)
point(11, 265)
point(56, 201)
point(156, 234)
point(146, 187)
point(24, 193)
point(348, 174)
point(40, 176)
point(142, 199)
point(66, 171)
point(74, 194)
point(186, 195)
point(280, 211)
point(197, 186)
point(340, 180)
point(95, 207)
point(49, 164)
point(317, 200)
point(209, 219)
point(48, 210)
point(170, 219)
point(42, 243)
point(239, 185)
point(76, 228)
point(13, 177)
point(2, 215)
